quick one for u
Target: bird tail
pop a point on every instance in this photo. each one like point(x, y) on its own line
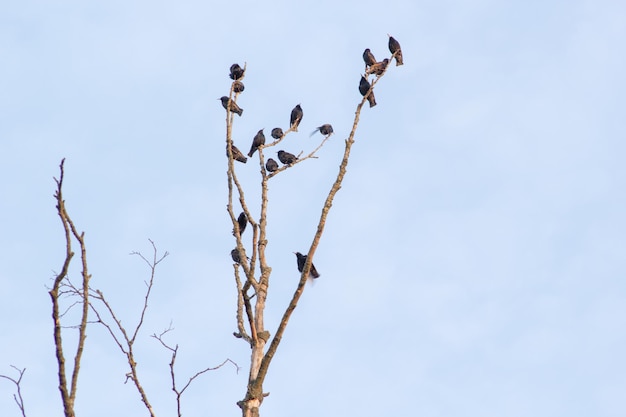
point(313, 132)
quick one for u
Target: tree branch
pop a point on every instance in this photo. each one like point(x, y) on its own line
point(18, 396)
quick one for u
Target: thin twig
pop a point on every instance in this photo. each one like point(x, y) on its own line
point(19, 400)
point(174, 350)
point(123, 340)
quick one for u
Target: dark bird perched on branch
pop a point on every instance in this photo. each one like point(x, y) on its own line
point(364, 87)
point(325, 129)
point(236, 72)
point(368, 57)
point(237, 155)
point(242, 221)
point(286, 157)
point(296, 117)
point(235, 255)
point(259, 139)
point(379, 67)
point(271, 165)
point(232, 106)
point(277, 133)
point(394, 47)
point(238, 87)
point(301, 261)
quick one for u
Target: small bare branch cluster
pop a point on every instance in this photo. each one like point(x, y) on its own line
point(125, 340)
point(179, 391)
point(19, 400)
point(93, 300)
point(252, 286)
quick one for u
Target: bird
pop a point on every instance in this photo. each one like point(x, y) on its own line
point(259, 139)
point(325, 129)
point(368, 57)
point(277, 133)
point(242, 221)
point(238, 87)
point(237, 155)
point(286, 157)
point(236, 72)
point(271, 165)
point(379, 67)
point(364, 87)
point(301, 261)
point(394, 48)
point(296, 117)
point(235, 255)
point(230, 105)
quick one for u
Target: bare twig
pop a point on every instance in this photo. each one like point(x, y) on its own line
point(119, 333)
point(18, 387)
point(174, 350)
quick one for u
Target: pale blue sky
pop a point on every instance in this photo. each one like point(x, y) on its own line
point(473, 263)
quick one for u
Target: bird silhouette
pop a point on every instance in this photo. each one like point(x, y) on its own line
point(301, 261)
point(259, 140)
point(238, 87)
point(271, 165)
point(286, 157)
point(235, 255)
point(394, 47)
point(242, 221)
point(368, 57)
point(296, 117)
point(237, 155)
point(277, 133)
point(236, 72)
point(379, 67)
point(325, 129)
point(364, 87)
point(232, 106)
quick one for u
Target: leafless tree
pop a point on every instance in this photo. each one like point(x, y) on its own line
point(91, 299)
point(253, 286)
point(59, 289)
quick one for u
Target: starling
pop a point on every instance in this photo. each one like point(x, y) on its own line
point(232, 106)
point(236, 72)
point(325, 129)
point(242, 220)
point(286, 157)
point(368, 57)
point(277, 133)
point(296, 117)
point(238, 87)
point(301, 261)
point(237, 155)
point(379, 67)
point(364, 87)
point(235, 255)
point(259, 139)
point(394, 47)
point(271, 165)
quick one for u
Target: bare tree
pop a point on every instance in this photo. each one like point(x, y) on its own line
point(252, 289)
point(59, 289)
point(252, 286)
point(94, 300)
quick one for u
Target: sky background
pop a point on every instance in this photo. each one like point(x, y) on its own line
point(473, 263)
